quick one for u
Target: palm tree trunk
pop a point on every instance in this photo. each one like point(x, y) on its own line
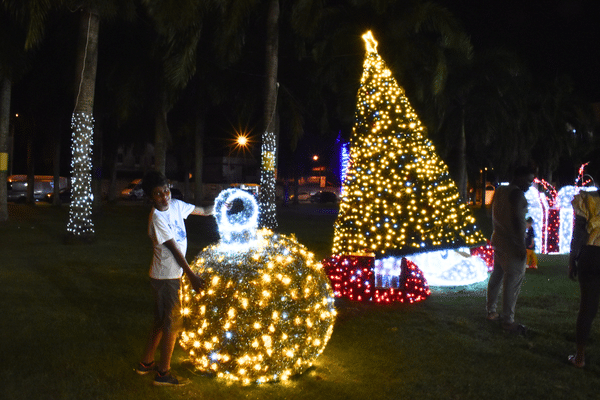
point(269, 140)
point(97, 171)
point(56, 171)
point(199, 158)
point(462, 160)
point(80, 223)
point(161, 135)
point(5, 94)
point(30, 164)
point(112, 187)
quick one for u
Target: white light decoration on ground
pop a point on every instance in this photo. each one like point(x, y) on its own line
point(567, 215)
point(553, 216)
point(267, 182)
point(451, 267)
point(398, 197)
point(267, 311)
point(537, 206)
point(80, 209)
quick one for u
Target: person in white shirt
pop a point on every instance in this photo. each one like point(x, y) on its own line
point(167, 231)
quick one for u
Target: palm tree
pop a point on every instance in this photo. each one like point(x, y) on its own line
point(484, 102)
point(80, 225)
point(561, 114)
point(12, 64)
point(178, 30)
point(269, 132)
point(187, 52)
point(433, 51)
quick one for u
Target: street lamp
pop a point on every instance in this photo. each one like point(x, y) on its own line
point(240, 143)
point(320, 169)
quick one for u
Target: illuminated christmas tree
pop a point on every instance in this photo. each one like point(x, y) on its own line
point(398, 198)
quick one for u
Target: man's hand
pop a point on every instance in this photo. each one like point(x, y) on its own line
point(197, 283)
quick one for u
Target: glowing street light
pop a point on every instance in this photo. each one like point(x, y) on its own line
point(239, 145)
point(242, 140)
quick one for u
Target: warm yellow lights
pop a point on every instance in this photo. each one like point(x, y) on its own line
point(370, 43)
point(398, 196)
point(268, 313)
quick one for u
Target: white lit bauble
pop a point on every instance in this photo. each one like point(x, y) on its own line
point(237, 223)
point(266, 313)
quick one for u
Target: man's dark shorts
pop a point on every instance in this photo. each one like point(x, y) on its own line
point(167, 306)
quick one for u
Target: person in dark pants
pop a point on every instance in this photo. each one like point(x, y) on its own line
point(584, 260)
point(167, 231)
point(509, 208)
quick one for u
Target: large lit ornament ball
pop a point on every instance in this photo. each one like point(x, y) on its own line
point(267, 310)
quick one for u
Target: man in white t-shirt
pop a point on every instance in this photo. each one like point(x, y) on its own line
point(169, 239)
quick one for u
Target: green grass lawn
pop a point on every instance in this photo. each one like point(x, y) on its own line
point(75, 319)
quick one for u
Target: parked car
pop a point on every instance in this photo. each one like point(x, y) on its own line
point(302, 196)
point(64, 195)
point(324, 197)
point(43, 184)
point(252, 188)
point(133, 191)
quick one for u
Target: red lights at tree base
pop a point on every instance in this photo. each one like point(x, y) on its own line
point(486, 253)
point(353, 277)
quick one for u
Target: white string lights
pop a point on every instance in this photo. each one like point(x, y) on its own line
point(80, 210)
point(267, 181)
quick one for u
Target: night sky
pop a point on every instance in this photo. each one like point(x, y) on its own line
point(551, 36)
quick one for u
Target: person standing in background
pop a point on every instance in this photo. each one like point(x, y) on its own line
point(584, 260)
point(530, 245)
point(509, 208)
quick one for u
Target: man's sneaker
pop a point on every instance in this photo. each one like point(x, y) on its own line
point(143, 368)
point(166, 379)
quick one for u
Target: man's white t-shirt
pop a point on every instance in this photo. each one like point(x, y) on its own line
point(163, 226)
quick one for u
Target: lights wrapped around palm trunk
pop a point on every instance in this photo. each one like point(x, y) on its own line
point(80, 210)
point(268, 176)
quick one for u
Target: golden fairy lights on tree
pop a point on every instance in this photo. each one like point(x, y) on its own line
point(398, 197)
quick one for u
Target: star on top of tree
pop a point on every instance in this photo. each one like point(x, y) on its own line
point(370, 42)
